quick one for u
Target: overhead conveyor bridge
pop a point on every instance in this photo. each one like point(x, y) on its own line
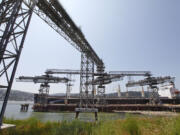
point(15, 17)
point(53, 13)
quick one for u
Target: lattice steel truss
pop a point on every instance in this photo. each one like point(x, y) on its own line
point(101, 87)
point(86, 74)
point(86, 90)
point(69, 86)
point(44, 93)
point(14, 23)
point(154, 96)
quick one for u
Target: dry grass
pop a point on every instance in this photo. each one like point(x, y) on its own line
point(129, 126)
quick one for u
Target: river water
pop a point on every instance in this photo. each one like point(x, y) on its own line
point(13, 111)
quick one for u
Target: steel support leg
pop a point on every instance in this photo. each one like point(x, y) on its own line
point(68, 86)
point(14, 22)
point(86, 90)
point(154, 97)
point(87, 68)
point(43, 93)
point(101, 88)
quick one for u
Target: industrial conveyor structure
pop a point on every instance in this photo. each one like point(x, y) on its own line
point(104, 79)
point(44, 81)
point(15, 17)
point(153, 83)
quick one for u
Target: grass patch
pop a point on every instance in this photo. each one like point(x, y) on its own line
point(129, 126)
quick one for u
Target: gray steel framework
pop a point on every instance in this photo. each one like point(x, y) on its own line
point(56, 17)
point(14, 23)
point(153, 83)
point(69, 86)
point(44, 93)
point(101, 85)
point(86, 90)
point(44, 80)
point(102, 79)
point(15, 16)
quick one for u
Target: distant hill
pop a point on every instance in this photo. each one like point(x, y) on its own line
point(26, 96)
point(16, 95)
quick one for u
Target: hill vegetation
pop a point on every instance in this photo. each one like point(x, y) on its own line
point(16, 95)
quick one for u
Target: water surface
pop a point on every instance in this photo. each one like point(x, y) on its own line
point(13, 111)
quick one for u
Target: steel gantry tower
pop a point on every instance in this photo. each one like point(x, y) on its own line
point(153, 83)
point(15, 17)
point(44, 80)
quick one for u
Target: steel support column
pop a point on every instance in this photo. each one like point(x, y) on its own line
point(86, 75)
point(86, 89)
point(154, 96)
point(14, 22)
point(44, 93)
point(68, 86)
point(101, 88)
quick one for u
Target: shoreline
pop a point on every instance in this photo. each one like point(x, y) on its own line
point(150, 113)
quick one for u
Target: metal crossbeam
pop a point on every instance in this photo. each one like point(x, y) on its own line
point(150, 81)
point(42, 79)
point(131, 73)
point(107, 78)
point(63, 71)
point(77, 72)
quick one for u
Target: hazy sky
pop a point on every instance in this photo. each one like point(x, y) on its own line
point(126, 34)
